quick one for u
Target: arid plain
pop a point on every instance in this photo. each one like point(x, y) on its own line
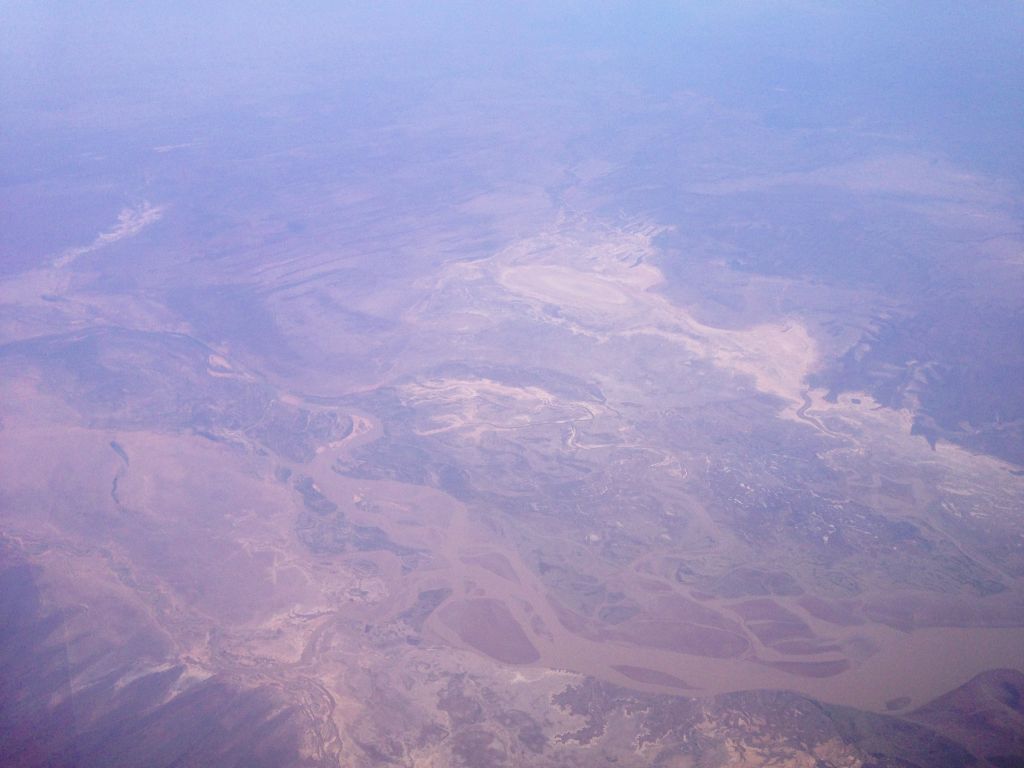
point(564, 417)
point(590, 487)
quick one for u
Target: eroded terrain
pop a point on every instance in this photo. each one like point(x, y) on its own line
point(505, 552)
point(454, 434)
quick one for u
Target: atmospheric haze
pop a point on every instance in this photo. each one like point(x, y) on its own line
point(512, 384)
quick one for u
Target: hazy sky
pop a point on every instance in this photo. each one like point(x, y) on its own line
point(952, 72)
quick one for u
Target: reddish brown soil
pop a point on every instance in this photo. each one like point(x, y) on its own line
point(810, 668)
point(764, 610)
point(651, 676)
point(908, 612)
point(805, 647)
point(840, 613)
point(682, 609)
point(494, 562)
point(722, 639)
point(681, 637)
point(487, 625)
